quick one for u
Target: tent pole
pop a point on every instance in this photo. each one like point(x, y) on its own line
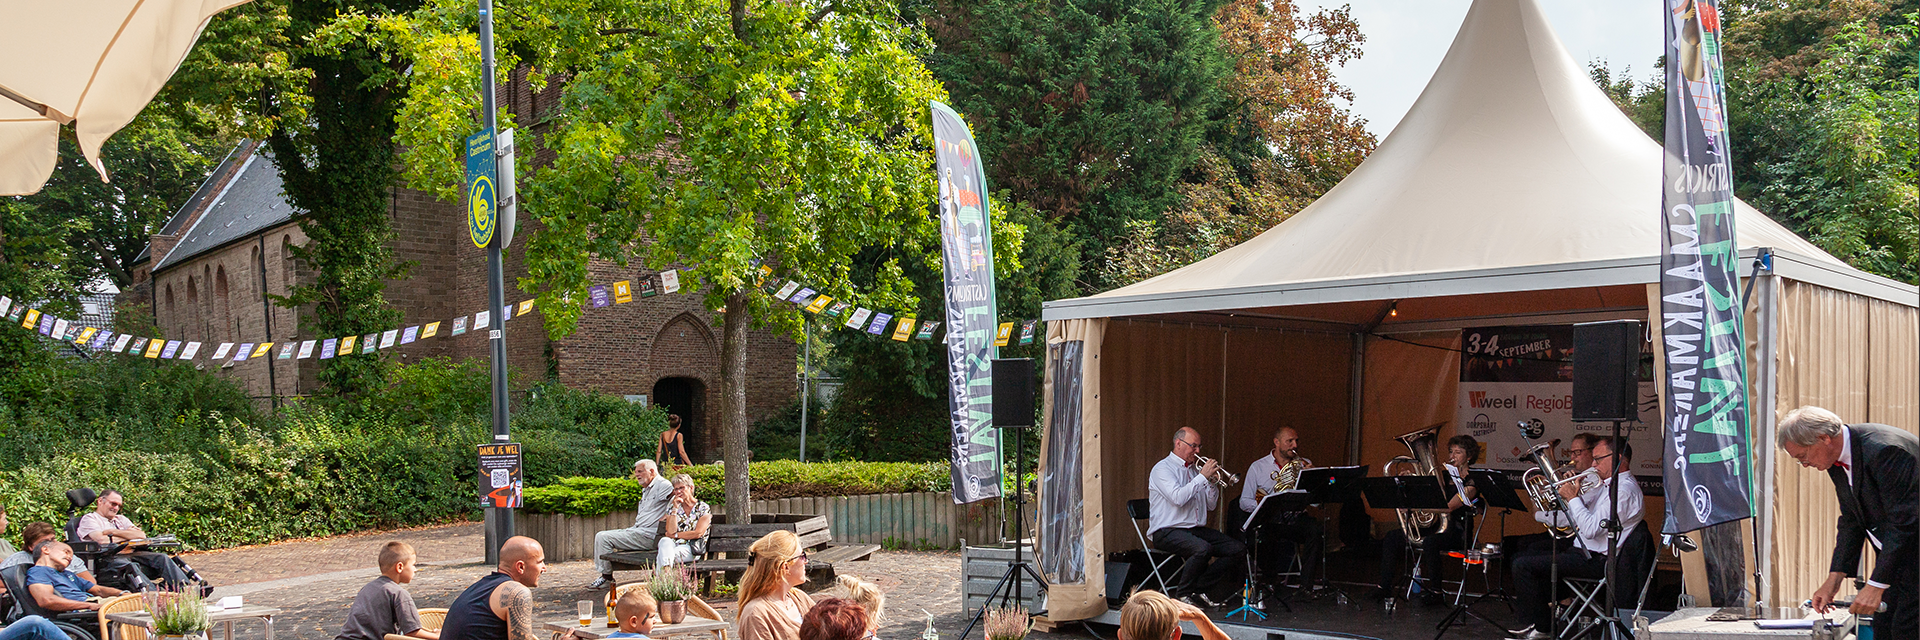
point(1356, 384)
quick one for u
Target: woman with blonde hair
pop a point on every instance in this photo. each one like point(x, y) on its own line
point(771, 608)
point(1151, 615)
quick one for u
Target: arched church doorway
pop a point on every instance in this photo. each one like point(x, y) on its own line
point(686, 397)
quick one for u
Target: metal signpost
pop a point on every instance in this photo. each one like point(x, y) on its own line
point(484, 199)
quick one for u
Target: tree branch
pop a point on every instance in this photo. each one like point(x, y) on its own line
point(822, 13)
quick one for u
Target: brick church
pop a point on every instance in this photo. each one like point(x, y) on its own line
point(209, 270)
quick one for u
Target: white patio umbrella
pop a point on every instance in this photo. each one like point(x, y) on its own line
point(94, 63)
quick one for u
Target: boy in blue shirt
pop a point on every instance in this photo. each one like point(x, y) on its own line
point(636, 611)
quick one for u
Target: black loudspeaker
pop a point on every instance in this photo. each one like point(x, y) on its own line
point(1605, 357)
point(1013, 392)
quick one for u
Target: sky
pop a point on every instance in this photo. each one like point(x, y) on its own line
point(1407, 38)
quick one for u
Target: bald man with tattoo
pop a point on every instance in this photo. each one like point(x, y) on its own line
point(500, 605)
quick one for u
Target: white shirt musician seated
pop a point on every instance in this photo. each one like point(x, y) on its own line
point(1179, 497)
point(1588, 511)
point(1263, 479)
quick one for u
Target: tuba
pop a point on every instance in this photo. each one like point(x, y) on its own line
point(1542, 482)
point(1422, 445)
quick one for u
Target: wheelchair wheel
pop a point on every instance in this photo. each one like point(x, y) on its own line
point(74, 631)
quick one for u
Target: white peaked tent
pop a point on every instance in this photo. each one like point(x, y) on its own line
point(1513, 192)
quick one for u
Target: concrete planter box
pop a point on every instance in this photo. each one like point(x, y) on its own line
point(910, 520)
point(984, 567)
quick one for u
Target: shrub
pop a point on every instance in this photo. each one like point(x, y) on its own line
point(772, 479)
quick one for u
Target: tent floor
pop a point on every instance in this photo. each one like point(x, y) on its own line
point(1361, 616)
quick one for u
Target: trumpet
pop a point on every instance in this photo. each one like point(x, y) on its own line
point(1221, 476)
point(1588, 481)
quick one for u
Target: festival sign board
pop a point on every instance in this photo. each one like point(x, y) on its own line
point(966, 243)
point(500, 475)
point(1524, 374)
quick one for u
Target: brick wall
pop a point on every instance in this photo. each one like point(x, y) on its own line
point(218, 297)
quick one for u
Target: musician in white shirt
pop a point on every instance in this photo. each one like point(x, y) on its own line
point(1301, 528)
point(1533, 575)
point(1179, 498)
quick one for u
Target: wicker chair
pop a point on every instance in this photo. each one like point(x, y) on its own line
point(122, 604)
point(430, 619)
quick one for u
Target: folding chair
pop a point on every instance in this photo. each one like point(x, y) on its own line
point(1156, 559)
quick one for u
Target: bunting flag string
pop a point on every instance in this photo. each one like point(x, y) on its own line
point(902, 327)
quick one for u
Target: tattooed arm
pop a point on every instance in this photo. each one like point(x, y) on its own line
point(513, 602)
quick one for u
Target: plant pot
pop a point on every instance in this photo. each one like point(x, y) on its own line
point(191, 636)
point(673, 612)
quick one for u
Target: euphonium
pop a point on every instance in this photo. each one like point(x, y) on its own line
point(1287, 478)
point(1422, 444)
point(1221, 476)
point(1542, 482)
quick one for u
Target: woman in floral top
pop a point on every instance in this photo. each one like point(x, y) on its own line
point(685, 523)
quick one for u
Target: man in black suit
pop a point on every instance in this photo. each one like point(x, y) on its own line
point(1873, 468)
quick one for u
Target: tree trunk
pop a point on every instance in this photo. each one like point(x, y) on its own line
point(733, 405)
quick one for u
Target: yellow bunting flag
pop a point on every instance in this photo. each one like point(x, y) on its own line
point(1006, 331)
point(526, 307)
point(261, 349)
point(623, 292)
point(819, 303)
point(33, 317)
point(154, 346)
point(432, 329)
point(903, 330)
point(346, 345)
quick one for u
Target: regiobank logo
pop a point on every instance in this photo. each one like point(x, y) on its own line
point(1479, 400)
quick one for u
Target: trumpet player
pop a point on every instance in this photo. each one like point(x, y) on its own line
point(1302, 529)
point(1179, 497)
point(1533, 575)
point(1579, 462)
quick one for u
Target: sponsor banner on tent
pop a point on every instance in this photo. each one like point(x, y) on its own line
point(966, 244)
point(1524, 374)
point(1709, 481)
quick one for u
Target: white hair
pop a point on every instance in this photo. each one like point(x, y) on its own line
point(1805, 425)
point(647, 464)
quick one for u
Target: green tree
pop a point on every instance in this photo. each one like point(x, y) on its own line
point(702, 134)
point(1089, 111)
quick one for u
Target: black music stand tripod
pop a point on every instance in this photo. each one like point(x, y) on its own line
point(1330, 485)
point(1498, 493)
point(1418, 492)
point(1008, 589)
point(1269, 512)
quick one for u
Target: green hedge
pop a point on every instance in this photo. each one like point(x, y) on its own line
point(772, 479)
point(401, 456)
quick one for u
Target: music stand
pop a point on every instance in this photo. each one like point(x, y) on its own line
point(1331, 485)
point(1499, 492)
point(1267, 512)
point(1418, 492)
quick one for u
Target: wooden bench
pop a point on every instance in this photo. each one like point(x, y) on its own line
point(727, 546)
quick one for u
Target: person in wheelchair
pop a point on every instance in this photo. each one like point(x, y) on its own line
point(56, 590)
point(105, 525)
point(36, 534)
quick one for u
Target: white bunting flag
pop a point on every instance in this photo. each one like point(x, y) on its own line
point(306, 350)
point(670, 281)
point(859, 318)
point(481, 320)
point(220, 353)
point(121, 344)
point(787, 290)
point(388, 338)
point(60, 329)
point(6, 304)
point(192, 349)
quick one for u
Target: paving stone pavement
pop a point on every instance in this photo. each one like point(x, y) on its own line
point(313, 582)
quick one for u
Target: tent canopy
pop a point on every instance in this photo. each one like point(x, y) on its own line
point(1511, 164)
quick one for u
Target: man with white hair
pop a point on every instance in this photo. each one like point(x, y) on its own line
point(656, 496)
point(1873, 471)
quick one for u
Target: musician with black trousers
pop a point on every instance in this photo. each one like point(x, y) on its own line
point(1579, 461)
point(1462, 452)
point(1587, 558)
point(1873, 471)
point(1263, 478)
point(1179, 497)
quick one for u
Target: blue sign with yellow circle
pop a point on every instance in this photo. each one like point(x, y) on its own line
point(483, 207)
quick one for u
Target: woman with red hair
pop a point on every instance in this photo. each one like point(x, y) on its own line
point(835, 619)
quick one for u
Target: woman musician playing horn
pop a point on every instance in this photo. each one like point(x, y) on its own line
point(1447, 533)
point(1274, 473)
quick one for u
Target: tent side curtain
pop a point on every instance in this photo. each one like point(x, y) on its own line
point(1852, 355)
point(1072, 550)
